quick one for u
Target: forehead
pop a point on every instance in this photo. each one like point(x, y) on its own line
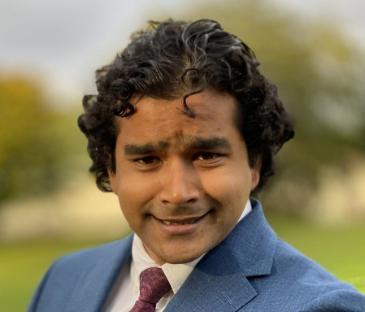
point(165, 120)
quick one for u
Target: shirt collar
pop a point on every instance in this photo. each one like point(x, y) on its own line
point(176, 274)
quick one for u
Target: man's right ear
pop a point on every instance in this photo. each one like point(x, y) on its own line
point(112, 180)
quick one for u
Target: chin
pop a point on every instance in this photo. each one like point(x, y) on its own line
point(182, 257)
point(180, 260)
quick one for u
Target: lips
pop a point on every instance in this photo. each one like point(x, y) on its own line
point(181, 225)
point(182, 221)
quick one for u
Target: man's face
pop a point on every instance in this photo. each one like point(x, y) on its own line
point(182, 182)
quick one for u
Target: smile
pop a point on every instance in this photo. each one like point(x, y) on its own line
point(181, 225)
point(183, 221)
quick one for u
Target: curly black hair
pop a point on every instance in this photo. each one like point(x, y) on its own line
point(174, 59)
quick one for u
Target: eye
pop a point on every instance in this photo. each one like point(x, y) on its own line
point(206, 156)
point(206, 159)
point(147, 161)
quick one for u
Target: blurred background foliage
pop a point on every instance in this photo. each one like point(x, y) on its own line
point(36, 144)
point(320, 75)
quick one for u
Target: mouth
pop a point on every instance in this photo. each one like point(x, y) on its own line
point(188, 220)
point(181, 225)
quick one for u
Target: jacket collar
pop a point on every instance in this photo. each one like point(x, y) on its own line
point(219, 281)
point(93, 289)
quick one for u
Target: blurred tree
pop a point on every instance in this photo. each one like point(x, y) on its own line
point(320, 76)
point(33, 150)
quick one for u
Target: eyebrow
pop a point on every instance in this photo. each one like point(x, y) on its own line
point(189, 143)
point(209, 143)
point(143, 149)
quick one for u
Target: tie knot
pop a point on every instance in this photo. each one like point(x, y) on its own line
point(153, 285)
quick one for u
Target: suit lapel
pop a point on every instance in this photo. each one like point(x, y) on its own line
point(204, 292)
point(94, 287)
point(220, 281)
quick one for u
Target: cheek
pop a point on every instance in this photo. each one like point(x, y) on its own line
point(230, 187)
point(131, 203)
point(135, 192)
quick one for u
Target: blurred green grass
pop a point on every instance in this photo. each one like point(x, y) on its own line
point(339, 249)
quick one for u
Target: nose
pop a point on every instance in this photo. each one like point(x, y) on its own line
point(181, 183)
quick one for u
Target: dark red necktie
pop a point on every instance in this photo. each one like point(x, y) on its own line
point(153, 286)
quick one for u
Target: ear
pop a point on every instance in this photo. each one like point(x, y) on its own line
point(112, 180)
point(255, 173)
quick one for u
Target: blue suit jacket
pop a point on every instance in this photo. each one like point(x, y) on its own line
point(251, 270)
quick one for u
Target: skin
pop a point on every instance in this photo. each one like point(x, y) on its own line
point(193, 172)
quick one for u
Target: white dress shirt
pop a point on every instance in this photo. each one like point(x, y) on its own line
point(125, 292)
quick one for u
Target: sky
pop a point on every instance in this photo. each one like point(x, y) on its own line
point(64, 41)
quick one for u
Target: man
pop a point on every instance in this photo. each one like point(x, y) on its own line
point(183, 130)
